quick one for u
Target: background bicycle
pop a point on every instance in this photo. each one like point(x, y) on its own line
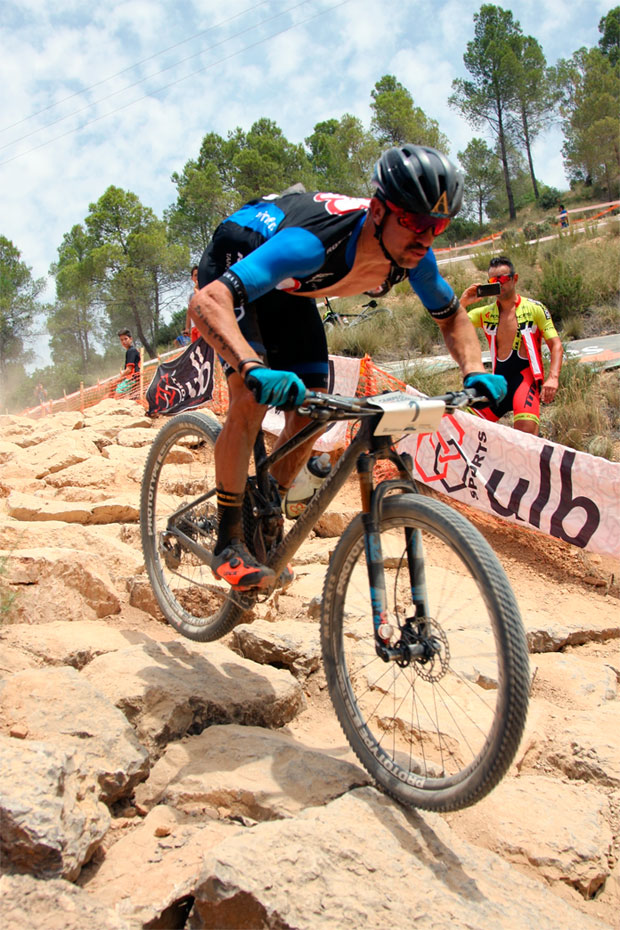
point(371, 310)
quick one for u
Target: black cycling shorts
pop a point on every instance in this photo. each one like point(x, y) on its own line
point(286, 329)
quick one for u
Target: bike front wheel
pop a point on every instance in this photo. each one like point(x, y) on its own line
point(439, 730)
point(179, 471)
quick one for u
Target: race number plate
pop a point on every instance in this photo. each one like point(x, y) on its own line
point(403, 413)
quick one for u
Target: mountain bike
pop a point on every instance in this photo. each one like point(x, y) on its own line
point(370, 310)
point(422, 642)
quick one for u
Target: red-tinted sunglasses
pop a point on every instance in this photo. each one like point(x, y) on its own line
point(501, 279)
point(418, 222)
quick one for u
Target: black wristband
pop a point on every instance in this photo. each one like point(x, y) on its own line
point(246, 361)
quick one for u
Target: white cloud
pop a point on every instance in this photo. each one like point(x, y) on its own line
point(318, 70)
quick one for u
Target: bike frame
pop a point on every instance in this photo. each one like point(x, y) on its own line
point(363, 451)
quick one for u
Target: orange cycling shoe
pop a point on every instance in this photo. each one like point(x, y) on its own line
point(240, 569)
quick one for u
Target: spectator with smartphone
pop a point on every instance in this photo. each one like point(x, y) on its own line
point(515, 327)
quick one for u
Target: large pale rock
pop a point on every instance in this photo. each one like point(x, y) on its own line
point(13, 659)
point(583, 745)
point(79, 495)
point(17, 429)
point(141, 596)
point(94, 472)
point(551, 631)
point(290, 644)
point(557, 830)
point(55, 584)
point(59, 452)
point(114, 510)
point(611, 892)
point(26, 432)
point(114, 407)
point(64, 642)
point(333, 522)
point(165, 852)
point(169, 689)
point(573, 680)
point(55, 904)
point(51, 821)
point(136, 438)
point(248, 771)
point(15, 473)
point(127, 457)
point(59, 705)
point(105, 543)
point(314, 550)
point(308, 581)
point(361, 861)
point(110, 425)
point(8, 450)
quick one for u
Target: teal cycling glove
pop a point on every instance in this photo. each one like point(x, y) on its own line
point(492, 386)
point(281, 389)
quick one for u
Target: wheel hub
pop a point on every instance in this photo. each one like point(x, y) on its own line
point(425, 645)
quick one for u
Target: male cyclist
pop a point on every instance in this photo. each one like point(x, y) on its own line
point(515, 327)
point(258, 281)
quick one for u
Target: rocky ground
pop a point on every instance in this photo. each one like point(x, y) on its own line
point(148, 781)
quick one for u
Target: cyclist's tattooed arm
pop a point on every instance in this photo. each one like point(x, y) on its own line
point(213, 311)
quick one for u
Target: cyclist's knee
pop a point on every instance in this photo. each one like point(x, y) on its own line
point(242, 405)
point(526, 423)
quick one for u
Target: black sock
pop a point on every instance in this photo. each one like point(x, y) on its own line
point(230, 519)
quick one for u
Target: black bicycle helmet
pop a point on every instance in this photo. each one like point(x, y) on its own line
point(420, 180)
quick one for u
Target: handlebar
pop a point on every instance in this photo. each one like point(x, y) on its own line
point(339, 407)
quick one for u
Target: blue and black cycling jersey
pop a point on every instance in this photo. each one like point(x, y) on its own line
point(305, 242)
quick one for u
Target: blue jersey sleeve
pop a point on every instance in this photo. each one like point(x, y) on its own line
point(433, 290)
point(290, 253)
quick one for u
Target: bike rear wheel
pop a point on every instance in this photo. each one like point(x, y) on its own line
point(438, 733)
point(180, 468)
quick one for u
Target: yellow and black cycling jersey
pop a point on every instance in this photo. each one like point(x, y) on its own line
point(534, 324)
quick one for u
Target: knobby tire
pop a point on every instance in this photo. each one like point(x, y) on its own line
point(438, 736)
point(180, 467)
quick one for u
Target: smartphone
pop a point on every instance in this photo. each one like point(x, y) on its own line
point(488, 290)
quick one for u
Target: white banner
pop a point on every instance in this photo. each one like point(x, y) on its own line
point(524, 479)
point(343, 378)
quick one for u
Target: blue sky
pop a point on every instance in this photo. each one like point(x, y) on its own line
point(226, 66)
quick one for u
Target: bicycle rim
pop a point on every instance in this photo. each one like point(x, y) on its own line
point(180, 468)
point(440, 733)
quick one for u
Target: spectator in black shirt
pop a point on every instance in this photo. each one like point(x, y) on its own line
point(129, 375)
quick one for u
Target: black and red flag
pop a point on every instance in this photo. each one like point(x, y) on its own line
point(183, 383)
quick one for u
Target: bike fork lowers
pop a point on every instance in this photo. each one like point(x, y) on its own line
point(412, 539)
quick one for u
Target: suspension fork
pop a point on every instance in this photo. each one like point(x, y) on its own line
point(415, 554)
point(372, 545)
point(372, 499)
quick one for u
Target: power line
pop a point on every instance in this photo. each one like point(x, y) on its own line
point(178, 81)
point(115, 93)
point(136, 64)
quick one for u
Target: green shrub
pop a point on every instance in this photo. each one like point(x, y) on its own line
point(581, 412)
point(562, 288)
point(481, 259)
point(549, 197)
point(366, 339)
point(430, 380)
point(523, 252)
point(572, 327)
